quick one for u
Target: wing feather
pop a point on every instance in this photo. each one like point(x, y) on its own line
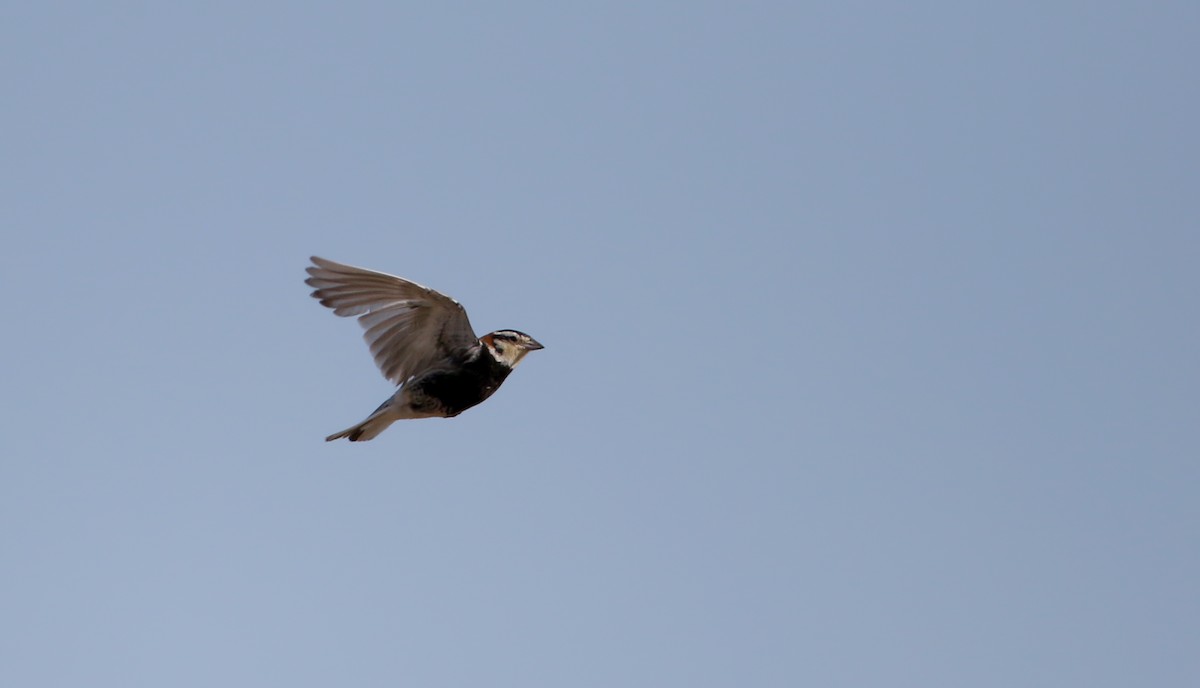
point(409, 328)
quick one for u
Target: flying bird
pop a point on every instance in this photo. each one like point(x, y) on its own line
point(421, 340)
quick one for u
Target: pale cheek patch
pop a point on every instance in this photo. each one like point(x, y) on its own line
point(506, 353)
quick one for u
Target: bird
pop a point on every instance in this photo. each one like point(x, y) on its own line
point(421, 340)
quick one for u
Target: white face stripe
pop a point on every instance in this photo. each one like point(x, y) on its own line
point(509, 346)
point(508, 352)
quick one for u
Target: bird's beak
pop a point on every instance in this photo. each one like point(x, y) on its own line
point(533, 345)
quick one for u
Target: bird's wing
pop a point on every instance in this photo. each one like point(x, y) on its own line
point(408, 327)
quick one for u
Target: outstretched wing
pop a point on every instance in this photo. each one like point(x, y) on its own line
point(409, 328)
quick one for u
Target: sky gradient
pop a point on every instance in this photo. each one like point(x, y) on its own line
point(871, 344)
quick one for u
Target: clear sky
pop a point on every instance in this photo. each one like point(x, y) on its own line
point(871, 344)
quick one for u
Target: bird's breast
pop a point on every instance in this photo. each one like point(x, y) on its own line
point(461, 388)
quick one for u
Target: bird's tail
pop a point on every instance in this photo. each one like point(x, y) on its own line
point(374, 424)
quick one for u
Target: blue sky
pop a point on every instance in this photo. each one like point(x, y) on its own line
point(871, 344)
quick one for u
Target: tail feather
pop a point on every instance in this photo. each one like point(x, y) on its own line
point(368, 429)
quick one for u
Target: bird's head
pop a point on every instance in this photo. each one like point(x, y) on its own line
point(509, 346)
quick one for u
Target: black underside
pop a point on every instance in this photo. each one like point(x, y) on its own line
point(458, 390)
